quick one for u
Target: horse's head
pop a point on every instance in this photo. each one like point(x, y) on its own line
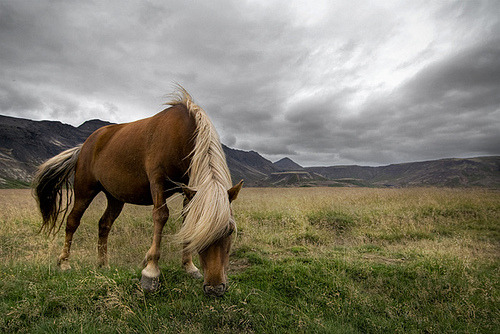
point(214, 259)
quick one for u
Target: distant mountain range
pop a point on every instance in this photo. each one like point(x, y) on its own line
point(24, 144)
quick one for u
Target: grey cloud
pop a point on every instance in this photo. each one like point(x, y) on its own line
point(471, 72)
point(449, 108)
point(14, 101)
point(294, 79)
point(270, 146)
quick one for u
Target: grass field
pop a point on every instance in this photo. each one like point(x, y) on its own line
point(311, 260)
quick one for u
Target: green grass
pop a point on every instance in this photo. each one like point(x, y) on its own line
point(306, 260)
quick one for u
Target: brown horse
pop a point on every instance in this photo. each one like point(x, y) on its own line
point(145, 162)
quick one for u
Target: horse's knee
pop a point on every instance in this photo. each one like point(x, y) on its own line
point(161, 214)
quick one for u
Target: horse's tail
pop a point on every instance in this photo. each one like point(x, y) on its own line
point(49, 183)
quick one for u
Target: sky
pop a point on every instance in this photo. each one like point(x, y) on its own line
point(321, 82)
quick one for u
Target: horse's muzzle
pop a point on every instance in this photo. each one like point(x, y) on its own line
point(214, 291)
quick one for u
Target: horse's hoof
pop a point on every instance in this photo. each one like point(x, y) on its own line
point(196, 274)
point(102, 264)
point(150, 284)
point(64, 265)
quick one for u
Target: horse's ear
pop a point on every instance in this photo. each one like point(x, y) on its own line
point(188, 192)
point(233, 192)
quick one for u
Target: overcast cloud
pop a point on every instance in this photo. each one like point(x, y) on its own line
point(322, 82)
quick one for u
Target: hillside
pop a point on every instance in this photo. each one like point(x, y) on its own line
point(24, 144)
point(473, 172)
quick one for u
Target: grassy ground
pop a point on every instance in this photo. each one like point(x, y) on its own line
point(325, 260)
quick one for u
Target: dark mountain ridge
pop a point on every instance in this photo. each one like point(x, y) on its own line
point(452, 172)
point(287, 164)
point(24, 144)
point(249, 166)
point(90, 126)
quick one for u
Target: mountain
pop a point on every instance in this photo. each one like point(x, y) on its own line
point(291, 173)
point(287, 164)
point(90, 126)
point(248, 166)
point(472, 172)
point(24, 144)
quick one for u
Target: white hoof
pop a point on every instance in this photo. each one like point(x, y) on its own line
point(64, 265)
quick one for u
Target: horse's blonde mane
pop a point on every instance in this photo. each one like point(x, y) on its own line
point(208, 213)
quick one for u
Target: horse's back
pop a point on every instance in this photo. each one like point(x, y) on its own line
point(125, 158)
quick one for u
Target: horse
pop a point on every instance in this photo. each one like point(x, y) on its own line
point(145, 162)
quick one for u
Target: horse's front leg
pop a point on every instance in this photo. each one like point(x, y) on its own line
point(188, 265)
point(187, 258)
point(151, 273)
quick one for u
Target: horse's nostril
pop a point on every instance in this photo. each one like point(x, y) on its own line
point(217, 290)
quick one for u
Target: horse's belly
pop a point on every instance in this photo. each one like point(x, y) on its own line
point(129, 193)
point(128, 187)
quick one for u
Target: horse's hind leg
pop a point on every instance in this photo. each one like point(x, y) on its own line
point(112, 212)
point(82, 202)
